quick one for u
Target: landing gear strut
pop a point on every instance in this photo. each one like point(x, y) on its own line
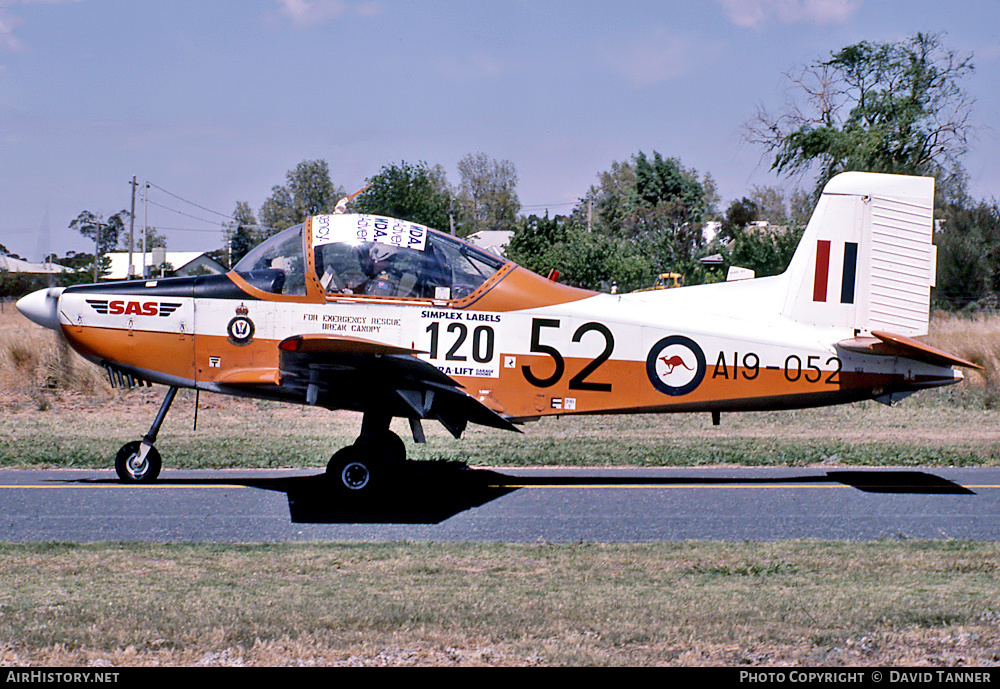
point(138, 461)
point(365, 467)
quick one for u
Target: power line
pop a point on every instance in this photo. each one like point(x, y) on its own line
point(190, 203)
point(186, 215)
point(550, 205)
point(159, 228)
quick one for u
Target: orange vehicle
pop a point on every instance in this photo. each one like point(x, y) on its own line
point(395, 320)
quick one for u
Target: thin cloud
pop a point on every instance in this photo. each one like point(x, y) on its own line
point(472, 67)
point(657, 57)
point(306, 13)
point(9, 43)
point(754, 14)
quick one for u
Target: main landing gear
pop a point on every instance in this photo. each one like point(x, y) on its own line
point(138, 461)
point(365, 467)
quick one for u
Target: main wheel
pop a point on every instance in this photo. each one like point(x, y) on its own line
point(386, 447)
point(353, 471)
point(131, 469)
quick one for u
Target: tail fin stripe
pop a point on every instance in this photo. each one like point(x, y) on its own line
point(822, 269)
point(850, 273)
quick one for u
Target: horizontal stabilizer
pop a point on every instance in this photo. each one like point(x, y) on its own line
point(889, 344)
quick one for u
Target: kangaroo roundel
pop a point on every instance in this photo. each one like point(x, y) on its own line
point(675, 365)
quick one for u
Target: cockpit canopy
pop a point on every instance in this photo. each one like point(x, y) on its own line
point(369, 255)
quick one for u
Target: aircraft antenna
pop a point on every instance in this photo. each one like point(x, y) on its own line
point(342, 204)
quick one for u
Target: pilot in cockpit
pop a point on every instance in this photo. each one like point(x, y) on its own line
point(378, 264)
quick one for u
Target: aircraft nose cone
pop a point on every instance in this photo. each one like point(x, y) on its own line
point(42, 307)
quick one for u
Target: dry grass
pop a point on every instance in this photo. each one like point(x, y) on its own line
point(793, 603)
point(975, 339)
point(37, 366)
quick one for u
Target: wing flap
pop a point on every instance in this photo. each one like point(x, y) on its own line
point(339, 344)
point(341, 372)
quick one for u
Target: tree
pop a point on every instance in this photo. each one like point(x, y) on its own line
point(655, 205)
point(308, 191)
point(968, 240)
point(880, 107)
point(583, 259)
point(94, 227)
point(6, 252)
point(765, 250)
point(607, 204)
point(153, 239)
point(242, 234)
point(104, 233)
point(534, 240)
point(662, 182)
point(486, 194)
point(417, 193)
point(739, 214)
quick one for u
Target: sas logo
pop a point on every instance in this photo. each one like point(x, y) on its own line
point(119, 307)
point(675, 365)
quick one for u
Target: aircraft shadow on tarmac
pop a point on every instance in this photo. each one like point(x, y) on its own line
point(431, 492)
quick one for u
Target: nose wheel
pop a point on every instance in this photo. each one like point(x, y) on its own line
point(138, 461)
point(134, 466)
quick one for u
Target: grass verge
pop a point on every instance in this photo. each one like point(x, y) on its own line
point(231, 433)
point(804, 603)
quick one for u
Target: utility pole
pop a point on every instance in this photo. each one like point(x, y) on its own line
point(131, 228)
point(145, 226)
point(97, 235)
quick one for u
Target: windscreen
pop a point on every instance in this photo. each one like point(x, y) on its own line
point(277, 265)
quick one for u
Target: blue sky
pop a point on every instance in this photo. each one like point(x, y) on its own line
point(213, 102)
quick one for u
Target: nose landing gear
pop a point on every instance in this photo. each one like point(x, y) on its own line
point(138, 461)
point(134, 467)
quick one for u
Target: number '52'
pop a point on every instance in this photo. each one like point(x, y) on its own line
point(579, 381)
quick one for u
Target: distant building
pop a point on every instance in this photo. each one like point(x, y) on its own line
point(181, 262)
point(494, 241)
point(17, 265)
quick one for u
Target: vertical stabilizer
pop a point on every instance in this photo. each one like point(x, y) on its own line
point(866, 260)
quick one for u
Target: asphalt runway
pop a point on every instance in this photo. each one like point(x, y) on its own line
point(446, 502)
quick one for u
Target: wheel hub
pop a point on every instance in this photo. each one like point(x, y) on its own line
point(355, 475)
point(136, 465)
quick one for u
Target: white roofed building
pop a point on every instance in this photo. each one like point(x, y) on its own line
point(17, 265)
point(181, 263)
point(494, 241)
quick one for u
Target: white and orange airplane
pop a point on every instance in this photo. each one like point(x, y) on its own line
point(393, 319)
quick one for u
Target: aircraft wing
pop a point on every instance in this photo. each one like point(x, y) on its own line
point(340, 372)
